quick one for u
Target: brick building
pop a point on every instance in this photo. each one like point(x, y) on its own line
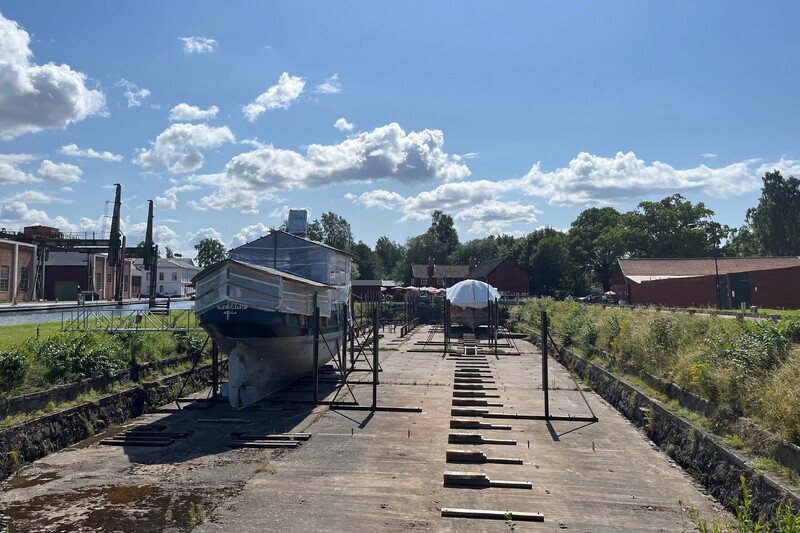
point(66, 271)
point(503, 273)
point(768, 282)
point(17, 271)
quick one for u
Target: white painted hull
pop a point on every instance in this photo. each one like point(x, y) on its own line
point(469, 317)
point(257, 367)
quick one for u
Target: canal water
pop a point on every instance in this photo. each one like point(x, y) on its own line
point(28, 316)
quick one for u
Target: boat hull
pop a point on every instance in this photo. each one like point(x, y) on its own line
point(469, 317)
point(267, 350)
point(257, 367)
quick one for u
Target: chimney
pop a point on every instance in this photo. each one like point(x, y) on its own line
point(473, 263)
point(431, 266)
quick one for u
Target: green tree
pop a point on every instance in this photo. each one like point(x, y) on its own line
point(369, 265)
point(209, 251)
point(444, 230)
point(335, 231)
point(596, 239)
point(672, 227)
point(544, 254)
point(482, 249)
point(775, 221)
point(169, 252)
point(389, 253)
point(742, 243)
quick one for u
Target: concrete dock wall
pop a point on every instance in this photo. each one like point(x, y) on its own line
point(34, 439)
point(697, 451)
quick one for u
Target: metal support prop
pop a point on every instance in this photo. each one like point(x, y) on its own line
point(446, 325)
point(375, 321)
point(544, 366)
point(214, 370)
point(345, 326)
point(316, 350)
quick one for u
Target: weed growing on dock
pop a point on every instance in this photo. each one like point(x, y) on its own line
point(510, 522)
point(197, 515)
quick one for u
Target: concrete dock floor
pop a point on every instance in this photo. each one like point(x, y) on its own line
point(371, 471)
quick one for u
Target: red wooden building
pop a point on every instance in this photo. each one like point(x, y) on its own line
point(765, 282)
point(503, 273)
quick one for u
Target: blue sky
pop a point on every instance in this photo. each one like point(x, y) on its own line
point(507, 116)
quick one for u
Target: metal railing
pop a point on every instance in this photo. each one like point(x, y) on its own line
point(119, 320)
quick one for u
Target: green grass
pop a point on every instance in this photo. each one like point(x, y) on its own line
point(11, 336)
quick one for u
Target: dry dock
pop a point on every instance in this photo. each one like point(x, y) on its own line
point(287, 465)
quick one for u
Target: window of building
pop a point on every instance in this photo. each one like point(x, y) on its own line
point(23, 279)
point(440, 282)
point(108, 278)
point(4, 278)
point(174, 276)
point(98, 281)
point(161, 288)
point(160, 276)
point(125, 284)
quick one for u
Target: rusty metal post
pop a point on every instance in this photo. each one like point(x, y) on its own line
point(343, 356)
point(496, 324)
point(316, 350)
point(375, 320)
point(446, 325)
point(214, 370)
point(544, 366)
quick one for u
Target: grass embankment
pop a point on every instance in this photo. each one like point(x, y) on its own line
point(39, 356)
point(749, 368)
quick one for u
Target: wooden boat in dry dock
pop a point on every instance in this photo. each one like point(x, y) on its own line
point(259, 305)
point(469, 302)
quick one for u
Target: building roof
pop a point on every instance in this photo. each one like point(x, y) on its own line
point(375, 283)
point(639, 270)
point(440, 271)
point(485, 267)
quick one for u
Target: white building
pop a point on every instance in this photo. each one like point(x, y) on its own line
point(174, 277)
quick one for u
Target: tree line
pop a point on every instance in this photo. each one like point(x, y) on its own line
point(560, 263)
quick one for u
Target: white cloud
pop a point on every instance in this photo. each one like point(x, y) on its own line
point(492, 217)
point(342, 125)
point(280, 96)
point(178, 147)
point(787, 167)
point(31, 197)
point(37, 97)
point(133, 93)
point(186, 112)
point(17, 214)
point(170, 198)
point(331, 86)
point(204, 233)
point(479, 202)
point(709, 155)
point(198, 45)
point(597, 180)
point(10, 172)
point(386, 153)
point(250, 233)
point(89, 153)
point(65, 172)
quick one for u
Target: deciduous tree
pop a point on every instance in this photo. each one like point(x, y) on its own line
point(775, 221)
point(209, 251)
